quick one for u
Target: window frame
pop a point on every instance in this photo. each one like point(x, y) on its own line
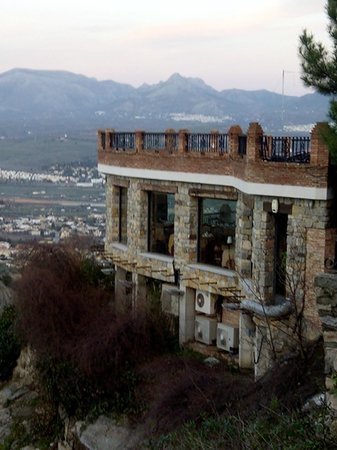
point(223, 252)
point(152, 222)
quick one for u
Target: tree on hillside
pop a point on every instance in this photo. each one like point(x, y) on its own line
point(319, 70)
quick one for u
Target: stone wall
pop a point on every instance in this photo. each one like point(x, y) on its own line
point(309, 236)
point(326, 292)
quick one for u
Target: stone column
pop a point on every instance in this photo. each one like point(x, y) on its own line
point(233, 135)
point(315, 246)
point(169, 140)
point(263, 253)
point(243, 235)
point(319, 153)
point(139, 144)
point(101, 140)
point(120, 276)
point(254, 136)
point(140, 291)
point(246, 349)
point(326, 291)
point(182, 145)
point(186, 316)
point(108, 138)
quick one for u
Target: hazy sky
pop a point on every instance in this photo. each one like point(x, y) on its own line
point(244, 44)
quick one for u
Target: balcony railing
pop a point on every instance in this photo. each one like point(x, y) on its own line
point(285, 149)
point(207, 143)
point(160, 141)
point(122, 141)
point(271, 148)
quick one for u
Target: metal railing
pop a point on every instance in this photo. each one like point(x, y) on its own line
point(160, 141)
point(272, 148)
point(285, 149)
point(122, 141)
point(207, 143)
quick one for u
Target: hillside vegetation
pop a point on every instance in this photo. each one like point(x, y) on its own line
point(93, 358)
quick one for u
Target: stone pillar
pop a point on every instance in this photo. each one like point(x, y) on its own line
point(169, 140)
point(182, 145)
point(254, 136)
point(263, 253)
point(233, 135)
point(314, 264)
point(263, 354)
point(108, 138)
point(101, 140)
point(246, 348)
point(139, 144)
point(243, 235)
point(140, 295)
point(319, 153)
point(186, 316)
point(326, 291)
point(120, 277)
point(108, 216)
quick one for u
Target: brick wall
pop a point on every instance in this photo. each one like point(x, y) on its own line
point(247, 167)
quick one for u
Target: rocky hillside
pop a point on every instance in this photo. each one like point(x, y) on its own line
point(42, 102)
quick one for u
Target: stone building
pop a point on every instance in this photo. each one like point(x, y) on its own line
point(229, 229)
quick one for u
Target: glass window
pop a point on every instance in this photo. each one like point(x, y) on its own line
point(161, 223)
point(216, 235)
point(123, 215)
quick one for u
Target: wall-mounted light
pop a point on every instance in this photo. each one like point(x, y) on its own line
point(274, 205)
point(229, 240)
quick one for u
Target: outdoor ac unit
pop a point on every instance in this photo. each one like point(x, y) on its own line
point(205, 329)
point(205, 302)
point(227, 337)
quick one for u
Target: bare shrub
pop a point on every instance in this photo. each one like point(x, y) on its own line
point(70, 321)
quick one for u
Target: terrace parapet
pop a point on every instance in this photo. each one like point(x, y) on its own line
point(254, 156)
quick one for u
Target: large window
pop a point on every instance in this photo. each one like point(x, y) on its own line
point(123, 208)
point(161, 223)
point(216, 232)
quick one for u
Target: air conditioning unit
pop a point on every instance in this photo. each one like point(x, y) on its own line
point(205, 330)
point(205, 302)
point(227, 337)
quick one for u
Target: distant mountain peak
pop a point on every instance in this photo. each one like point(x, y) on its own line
point(176, 77)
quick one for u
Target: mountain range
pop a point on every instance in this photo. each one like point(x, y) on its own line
point(40, 102)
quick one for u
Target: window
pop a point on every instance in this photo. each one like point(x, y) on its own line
point(161, 223)
point(123, 211)
point(216, 232)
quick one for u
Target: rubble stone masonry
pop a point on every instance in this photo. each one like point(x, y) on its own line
point(300, 191)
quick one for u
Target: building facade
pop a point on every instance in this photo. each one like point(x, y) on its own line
point(229, 229)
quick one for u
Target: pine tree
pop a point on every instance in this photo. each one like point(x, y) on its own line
point(319, 70)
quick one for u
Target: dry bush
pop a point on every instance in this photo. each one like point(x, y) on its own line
point(180, 390)
point(69, 319)
point(56, 303)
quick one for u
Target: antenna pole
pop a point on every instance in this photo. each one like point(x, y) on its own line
point(282, 110)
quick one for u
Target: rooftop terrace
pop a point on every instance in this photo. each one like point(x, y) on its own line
point(253, 157)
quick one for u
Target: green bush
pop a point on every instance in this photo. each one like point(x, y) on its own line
point(9, 343)
point(272, 431)
point(65, 385)
point(5, 276)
